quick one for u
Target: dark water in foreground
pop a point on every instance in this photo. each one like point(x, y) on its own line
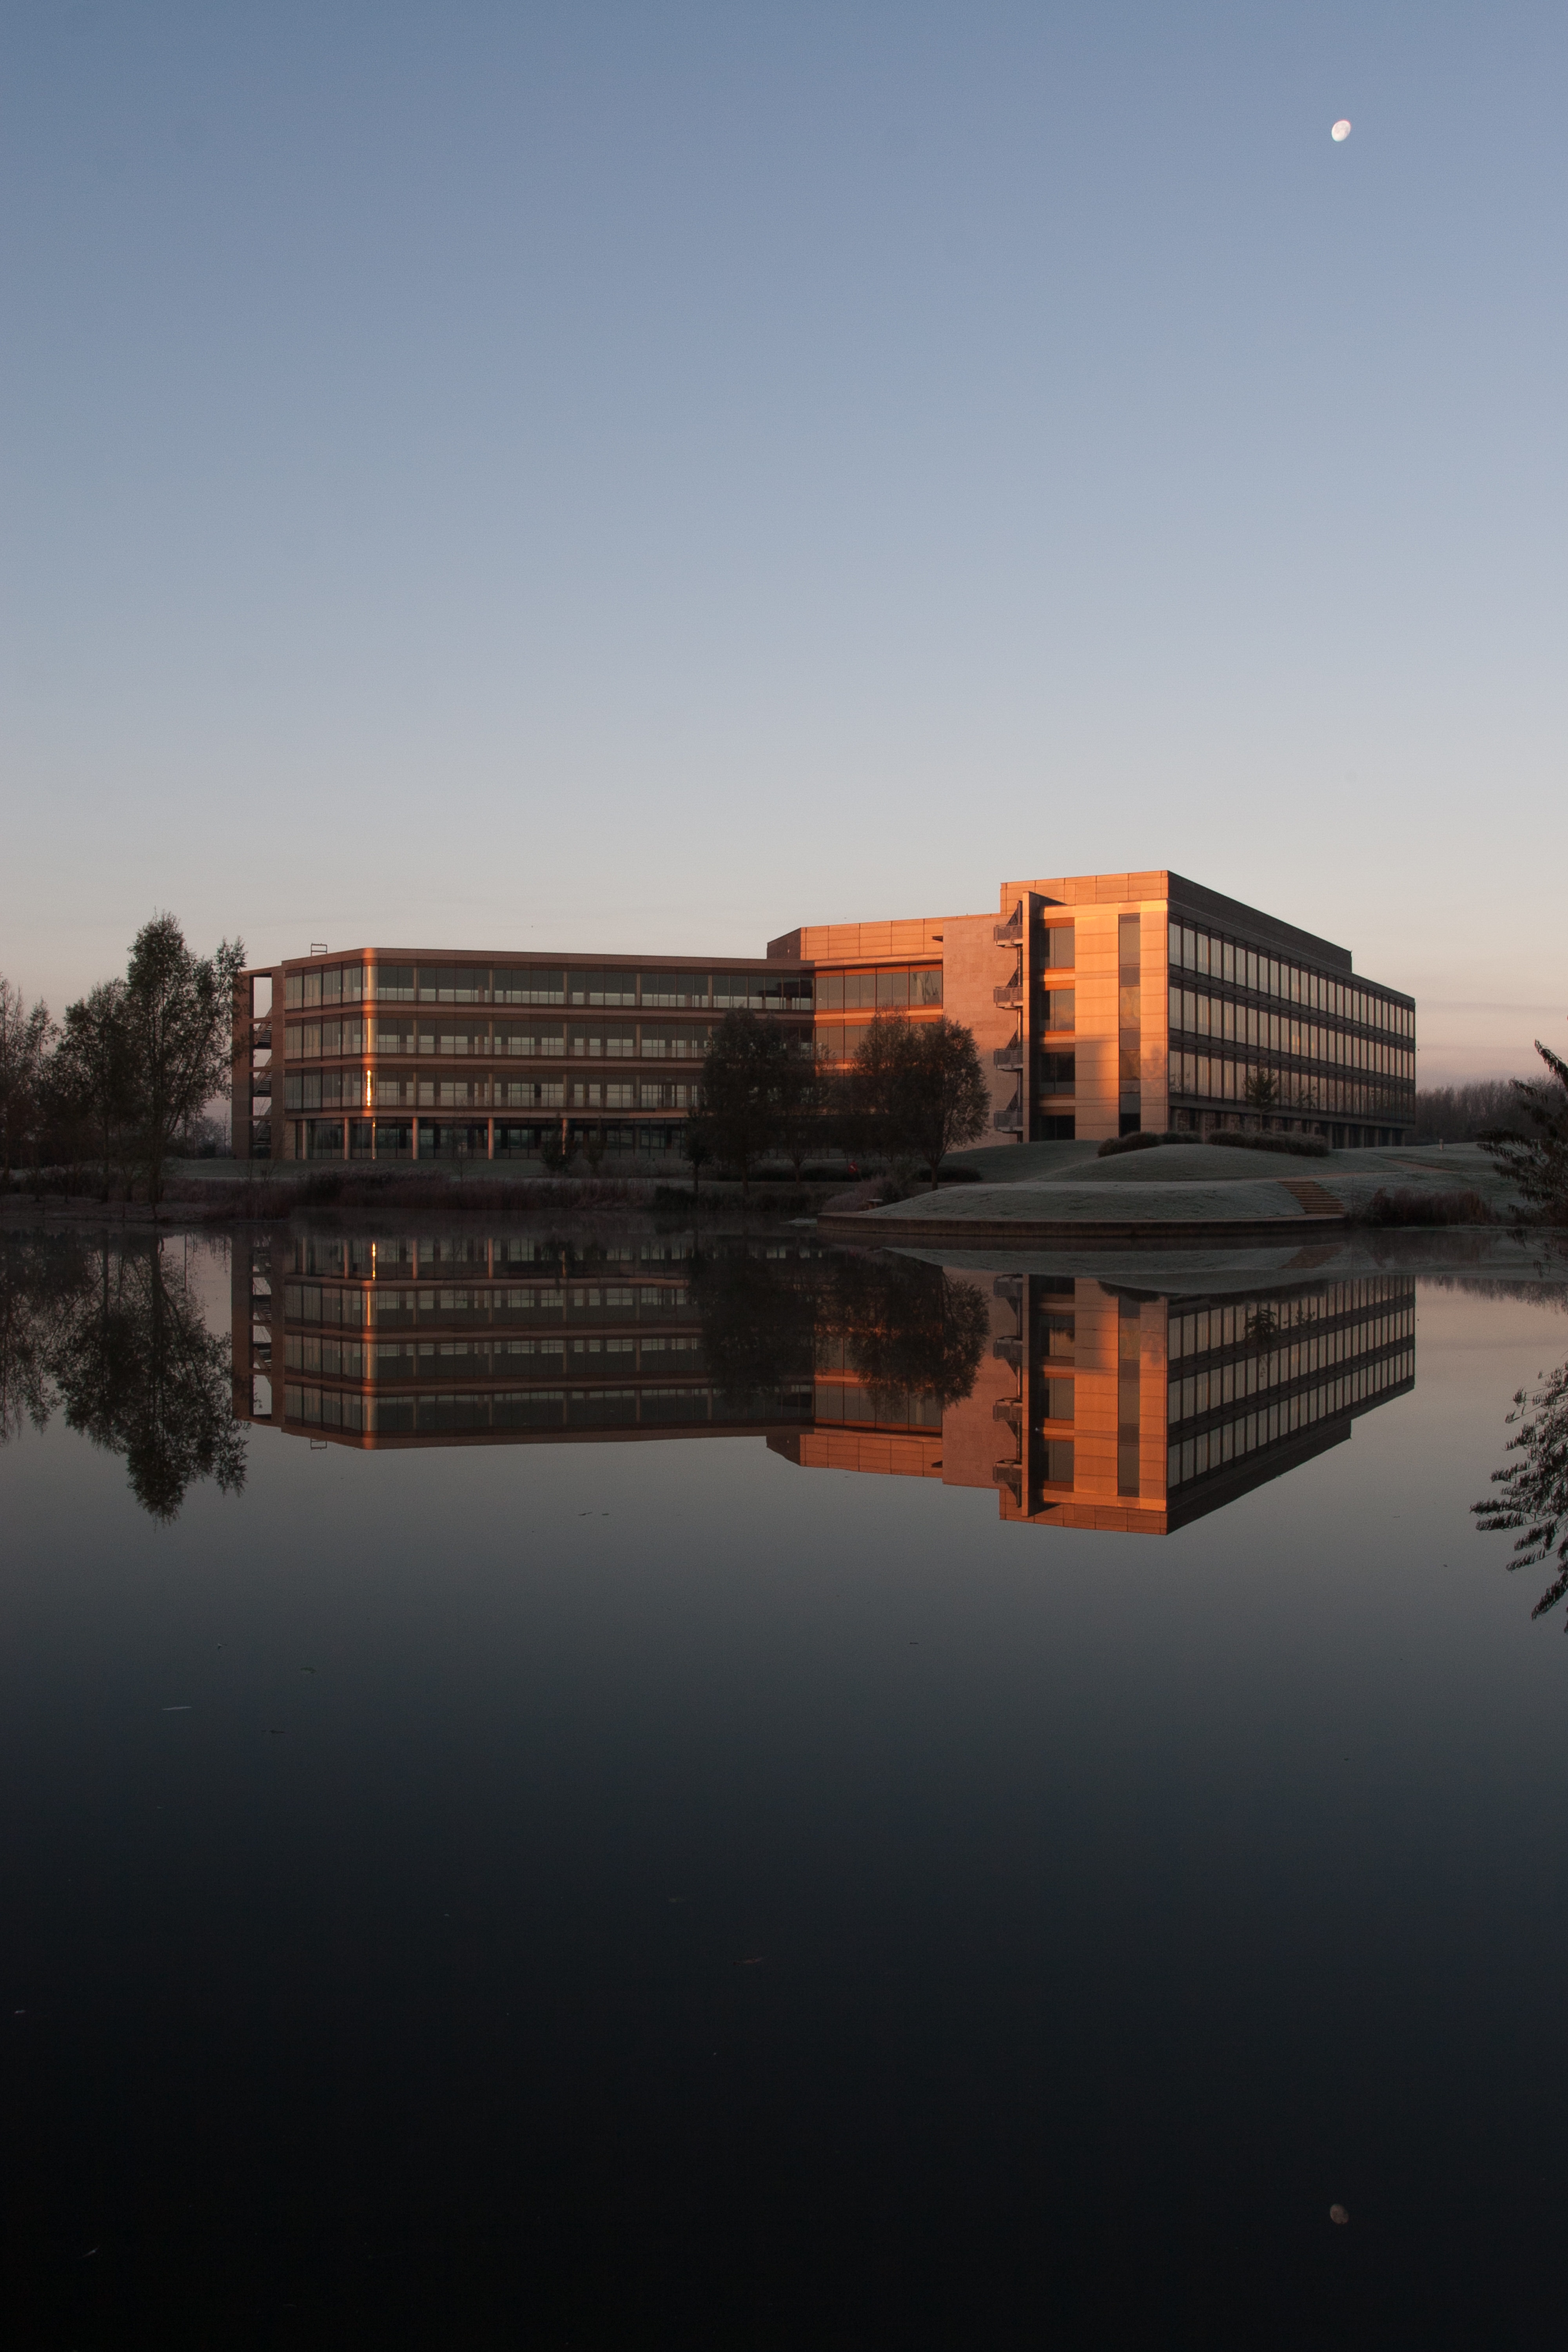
point(747, 1842)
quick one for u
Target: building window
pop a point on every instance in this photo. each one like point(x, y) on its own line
point(602, 1040)
point(676, 990)
point(686, 1044)
point(458, 983)
point(603, 987)
point(530, 1093)
point(889, 987)
point(1056, 1461)
point(527, 984)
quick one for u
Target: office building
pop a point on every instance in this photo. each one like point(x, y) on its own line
point(1100, 1004)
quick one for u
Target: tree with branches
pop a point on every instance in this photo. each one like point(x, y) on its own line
point(919, 1087)
point(93, 1072)
point(178, 1014)
point(746, 1077)
point(1537, 1163)
point(26, 1034)
point(1533, 1504)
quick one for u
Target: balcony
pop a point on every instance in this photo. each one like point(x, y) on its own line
point(1008, 1351)
point(1011, 1475)
point(1011, 995)
point(1009, 1410)
point(1009, 1057)
point(1009, 1121)
point(1009, 934)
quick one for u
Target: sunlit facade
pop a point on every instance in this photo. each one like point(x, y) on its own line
point(1100, 1004)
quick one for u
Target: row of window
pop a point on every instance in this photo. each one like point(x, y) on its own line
point(406, 983)
point(381, 1304)
point(836, 1402)
point(391, 1259)
point(356, 1090)
point(1193, 1012)
point(1196, 951)
point(323, 1139)
point(504, 1409)
point(889, 987)
point(1201, 1016)
point(1194, 1457)
point(1216, 1078)
point(314, 1041)
point(478, 1359)
point(1203, 1330)
point(1248, 1374)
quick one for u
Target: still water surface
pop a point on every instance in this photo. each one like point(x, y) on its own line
point(648, 1793)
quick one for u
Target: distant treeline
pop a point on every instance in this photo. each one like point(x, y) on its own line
point(1458, 1114)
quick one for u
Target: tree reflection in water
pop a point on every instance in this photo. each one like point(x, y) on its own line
point(903, 1329)
point(112, 1336)
point(1533, 1504)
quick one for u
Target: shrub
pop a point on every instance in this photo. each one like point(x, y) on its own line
point(1407, 1204)
point(1300, 1147)
point(1537, 1164)
point(1142, 1141)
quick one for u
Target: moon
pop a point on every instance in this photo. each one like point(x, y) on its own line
point(1341, 130)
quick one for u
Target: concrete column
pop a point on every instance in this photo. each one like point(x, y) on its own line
point(1154, 997)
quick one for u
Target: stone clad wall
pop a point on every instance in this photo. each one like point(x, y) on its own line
point(972, 968)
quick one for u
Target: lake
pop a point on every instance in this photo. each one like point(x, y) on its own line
point(615, 1785)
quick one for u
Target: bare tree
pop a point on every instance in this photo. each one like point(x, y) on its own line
point(25, 1036)
point(178, 1014)
point(1458, 1114)
point(1261, 1093)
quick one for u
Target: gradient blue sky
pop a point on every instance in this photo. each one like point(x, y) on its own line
point(647, 476)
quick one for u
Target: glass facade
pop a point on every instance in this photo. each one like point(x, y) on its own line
point(1094, 1016)
point(487, 1018)
point(1282, 1043)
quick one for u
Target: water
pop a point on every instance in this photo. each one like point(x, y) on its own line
point(592, 1873)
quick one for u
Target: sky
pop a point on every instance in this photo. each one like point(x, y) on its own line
point(642, 477)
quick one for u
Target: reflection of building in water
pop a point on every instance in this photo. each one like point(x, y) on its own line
point(1099, 1409)
point(1145, 1412)
point(1091, 1407)
point(473, 1337)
